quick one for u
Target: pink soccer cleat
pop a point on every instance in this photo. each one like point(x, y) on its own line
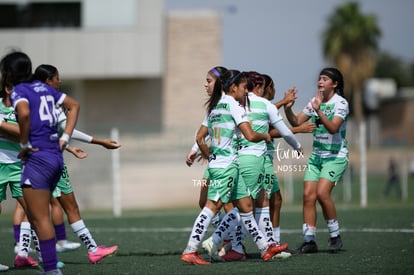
point(101, 252)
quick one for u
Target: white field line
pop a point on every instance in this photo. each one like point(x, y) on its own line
point(283, 231)
point(188, 229)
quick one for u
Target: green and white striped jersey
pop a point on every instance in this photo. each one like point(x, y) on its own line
point(8, 149)
point(222, 124)
point(261, 113)
point(325, 144)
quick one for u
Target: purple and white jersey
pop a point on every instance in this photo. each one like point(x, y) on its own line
point(43, 101)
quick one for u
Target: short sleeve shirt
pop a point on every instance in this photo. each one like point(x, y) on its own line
point(222, 123)
point(43, 101)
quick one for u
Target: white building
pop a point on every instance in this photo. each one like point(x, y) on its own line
point(109, 54)
point(132, 67)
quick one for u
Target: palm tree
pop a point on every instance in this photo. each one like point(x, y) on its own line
point(350, 42)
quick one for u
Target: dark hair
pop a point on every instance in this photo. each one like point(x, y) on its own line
point(44, 72)
point(233, 77)
point(227, 79)
point(254, 79)
point(218, 71)
point(3, 93)
point(15, 68)
point(268, 80)
point(268, 84)
point(336, 76)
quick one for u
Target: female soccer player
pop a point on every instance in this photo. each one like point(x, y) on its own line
point(260, 112)
point(329, 159)
point(41, 147)
point(271, 182)
point(225, 117)
point(65, 195)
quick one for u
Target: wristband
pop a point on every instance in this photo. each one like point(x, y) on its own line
point(65, 137)
point(25, 146)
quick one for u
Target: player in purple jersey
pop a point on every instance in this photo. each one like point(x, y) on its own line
point(41, 148)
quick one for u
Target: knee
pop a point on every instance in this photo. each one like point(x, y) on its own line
point(323, 197)
point(309, 198)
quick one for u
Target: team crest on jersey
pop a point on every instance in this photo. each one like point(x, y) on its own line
point(10, 117)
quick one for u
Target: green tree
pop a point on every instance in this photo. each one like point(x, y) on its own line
point(391, 66)
point(350, 42)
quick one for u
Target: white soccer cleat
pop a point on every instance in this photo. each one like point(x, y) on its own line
point(66, 246)
point(3, 268)
point(209, 246)
point(282, 255)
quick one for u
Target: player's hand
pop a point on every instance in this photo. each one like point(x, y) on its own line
point(110, 144)
point(306, 127)
point(77, 152)
point(191, 156)
point(290, 97)
point(317, 100)
point(26, 152)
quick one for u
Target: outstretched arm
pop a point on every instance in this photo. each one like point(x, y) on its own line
point(303, 128)
point(83, 137)
point(107, 143)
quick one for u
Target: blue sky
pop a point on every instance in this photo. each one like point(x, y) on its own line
point(282, 38)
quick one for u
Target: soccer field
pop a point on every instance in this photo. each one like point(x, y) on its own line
point(377, 240)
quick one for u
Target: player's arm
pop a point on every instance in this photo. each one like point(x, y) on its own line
point(72, 110)
point(251, 135)
point(200, 139)
point(84, 137)
point(331, 125)
point(305, 127)
point(293, 119)
point(107, 143)
point(22, 108)
point(10, 131)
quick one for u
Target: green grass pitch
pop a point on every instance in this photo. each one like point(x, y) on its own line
point(377, 240)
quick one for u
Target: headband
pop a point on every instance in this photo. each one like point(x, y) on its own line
point(330, 74)
point(231, 80)
point(215, 72)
